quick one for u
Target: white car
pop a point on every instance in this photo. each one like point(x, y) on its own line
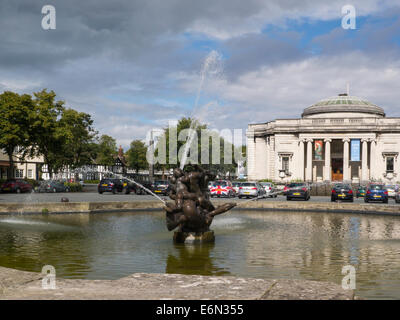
point(269, 189)
point(236, 185)
point(392, 190)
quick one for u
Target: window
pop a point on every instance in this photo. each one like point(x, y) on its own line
point(19, 173)
point(389, 164)
point(30, 173)
point(285, 164)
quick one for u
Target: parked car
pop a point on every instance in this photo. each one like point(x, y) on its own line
point(361, 191)
point(129, 186)
point(342, 191)
point(397, 199)
point(52, 186)
point(16, 185)
point(376, 192)
point(269, 189)
point(222, 188)
point(298, 191)
point(294, 185)
point(161, 187)
point(110, 185)
point(141, 191)
point(391, 189)
point(251, 190)
point(236, 185)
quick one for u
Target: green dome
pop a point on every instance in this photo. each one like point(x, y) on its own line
point(343, 103)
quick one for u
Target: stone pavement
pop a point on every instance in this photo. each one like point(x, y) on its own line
point(17, 285)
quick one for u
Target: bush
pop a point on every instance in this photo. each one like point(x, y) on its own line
point(73, 186)
point(34, 183)
point(92, 181)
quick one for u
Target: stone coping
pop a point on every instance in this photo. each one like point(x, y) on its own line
point(22, 285)
point(151, 205)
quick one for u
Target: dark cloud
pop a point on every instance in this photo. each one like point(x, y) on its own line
point(126, 62)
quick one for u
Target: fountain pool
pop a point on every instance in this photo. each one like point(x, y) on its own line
point(257, 244)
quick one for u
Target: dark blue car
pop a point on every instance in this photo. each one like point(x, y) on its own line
point(376, 192)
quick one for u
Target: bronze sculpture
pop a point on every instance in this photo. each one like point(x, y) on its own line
point(192, 210)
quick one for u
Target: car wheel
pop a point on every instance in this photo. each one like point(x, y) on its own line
point(397, 201)
point(332, 199)
point(366, 200)
point(100, 192)
point(240, 197)
point(352, 200)
point(288, 198)
point(114, 191)
point(386, 201)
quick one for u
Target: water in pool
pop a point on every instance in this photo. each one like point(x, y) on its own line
point(257, 244)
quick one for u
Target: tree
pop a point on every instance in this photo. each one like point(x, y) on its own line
point(75, 132)
point(43, 129)
point(202, 147)
point(137, 156)
point(16, 114)
point(106, 150)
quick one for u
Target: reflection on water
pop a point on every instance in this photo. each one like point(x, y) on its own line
point(257, 244)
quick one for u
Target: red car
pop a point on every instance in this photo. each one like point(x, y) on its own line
point(16, 185)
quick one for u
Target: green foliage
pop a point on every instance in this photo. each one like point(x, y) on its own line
point(73, 186)
point(203, 151)
point(136, 156)
point(91, 181)
point(76, 135)
point(43, 129)
point(106, 150)
point(45, 211)
point(33, 182)
point(16, 112)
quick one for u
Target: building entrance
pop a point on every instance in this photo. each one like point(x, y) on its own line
point(337, 169)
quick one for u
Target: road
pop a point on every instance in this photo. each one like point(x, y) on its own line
point(95, 197)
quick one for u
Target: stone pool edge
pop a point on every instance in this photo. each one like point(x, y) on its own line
point(119, 206)
point(23, 285)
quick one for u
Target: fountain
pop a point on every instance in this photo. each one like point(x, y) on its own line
point(192, 210)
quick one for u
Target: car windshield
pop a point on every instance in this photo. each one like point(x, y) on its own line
point(220, 183)
point(390, 187)
point(342, 186)
point(158, 183)
point(248, 184)
point(292, 185)
point(376, 187)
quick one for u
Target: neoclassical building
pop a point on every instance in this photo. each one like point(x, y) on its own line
point(343, 138)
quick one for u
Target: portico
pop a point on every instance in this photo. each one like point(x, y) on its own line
point(344, 169)
point(337, 139)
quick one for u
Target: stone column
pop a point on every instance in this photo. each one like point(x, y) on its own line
point(301, 159)
point(309, 160)
point(346, 168)
point(327, 169)
point(372, 165)
point(364, 163)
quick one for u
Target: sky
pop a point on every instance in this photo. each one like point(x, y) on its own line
point(137, 65)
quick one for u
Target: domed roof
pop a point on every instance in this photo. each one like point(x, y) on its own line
point(343, 103)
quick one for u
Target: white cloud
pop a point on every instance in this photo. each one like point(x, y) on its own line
point(284, 90)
